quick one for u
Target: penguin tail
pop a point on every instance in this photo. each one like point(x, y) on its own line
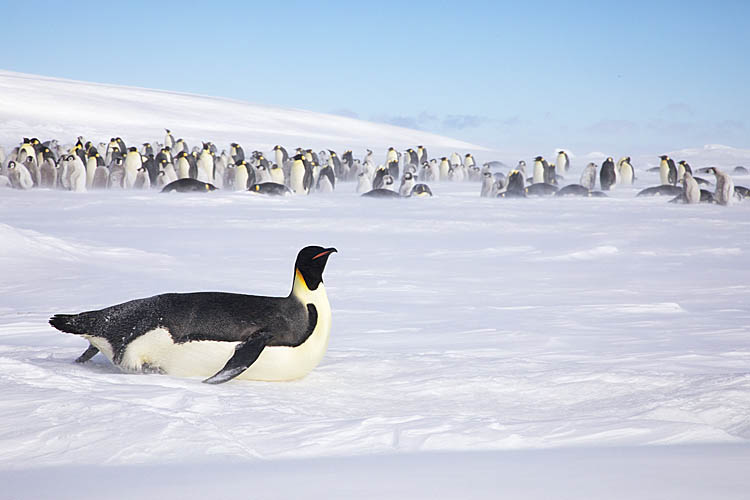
point(70, 323)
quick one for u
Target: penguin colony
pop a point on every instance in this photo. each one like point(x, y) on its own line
point(173, 165)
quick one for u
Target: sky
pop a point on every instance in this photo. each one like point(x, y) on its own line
point(526, 77)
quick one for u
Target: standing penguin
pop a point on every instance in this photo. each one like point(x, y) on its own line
point(76, 173)
point(488, 182)
point(241, 177)
point(627, 175)
point(169, 139)
point(588, 176)
point(19, 176)
point(428, 172)
point(133, 163)
point(444, 168)
point(607, 177)
point(237, 153)
point(407, 183)
point(540, 164)
point(326, 180)
point(205, 165)
point(724, 193)
point(684, 167)
point(422, 155)
point(667, 170)
point(364, 183)
point(47, 174)
point(562, 162)
point(182, 167)
point(691, 190)
point(301, 175)
point(101, 177)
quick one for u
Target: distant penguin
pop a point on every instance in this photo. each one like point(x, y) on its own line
point(469, 161)
point(205, 165)
point(515, 187)
point(407, 184)
point(588, 176)
point(236, 152)
point(422, 154)
point(47, 174)
point(33, 168)
point(262, 174)
point(562, 162)
point(627, 175)
point(169, 139)
point(421, 191)
point(667, 170)
point(381, 193)
point(428, 173)
point(378, 178)
point(444, 168)
point(271, 189)
point(488, 182)
point(683, 167)
point(182, 166)
point(541, 189)
point(277, 174)
point(539, 167)
point(691, 190)
point(19, 176)
point(116, 174)
point(76, 173)
point(550, 177)
point(101, 178)
point(364, 184)
point(573, 190)
point(241, 176)
point(740, 170)
point(724, 193)
point(188, 186)
point(142, 179)
point(326, 180)
point(661, 190)
point(133, 162)
point(607, 176)
point(301, 175)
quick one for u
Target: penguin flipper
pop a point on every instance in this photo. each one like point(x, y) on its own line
point(244, 355)
point(87, 354)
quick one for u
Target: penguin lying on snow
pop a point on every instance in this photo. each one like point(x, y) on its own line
point(271, 189)
point(221, 335)
point(188, 185)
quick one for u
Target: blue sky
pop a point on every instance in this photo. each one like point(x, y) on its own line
point(527, 77)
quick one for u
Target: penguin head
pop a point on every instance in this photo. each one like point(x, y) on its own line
point(310, 264)
point(663, 157)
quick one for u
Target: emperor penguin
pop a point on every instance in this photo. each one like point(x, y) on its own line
point(33, 168)
point(667, 170)
point(488, 182)
point(142, 179)
point(241, 176)
point(627, 175)
point(281, 155)
point(391, 156)
point(455, 159)
point(116, 174)
point(422, 154)
point(588, 176)
point(326, 180)
point(301, 175)
point(607, 177)
point(76, 174)
point(262, 174)
point(169, 139)
point(469, 161)
point(691, 189)
point(407, 183)
point(19, 176)
point(236, 152)
point(444, 168)
point(428, 172)
point(217, 335)
point(133, 162)
point(170, 175)
point(182, 166)
point(25, 150)
point(205, 165)
point(101, 177)
point(724, 193)
point(364, 183)
point(47, 174)
point(539, 167)
point(92, 162)
point(562, 162)
point(683, 167)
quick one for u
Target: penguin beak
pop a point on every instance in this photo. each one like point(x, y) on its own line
point(325, 252)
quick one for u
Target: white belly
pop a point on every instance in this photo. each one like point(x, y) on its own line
point(205, 358)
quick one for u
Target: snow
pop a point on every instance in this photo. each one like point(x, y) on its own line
point(537, 348)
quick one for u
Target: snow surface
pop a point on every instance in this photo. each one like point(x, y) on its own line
point(538, 348)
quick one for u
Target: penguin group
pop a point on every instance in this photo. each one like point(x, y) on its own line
point(171, 165)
